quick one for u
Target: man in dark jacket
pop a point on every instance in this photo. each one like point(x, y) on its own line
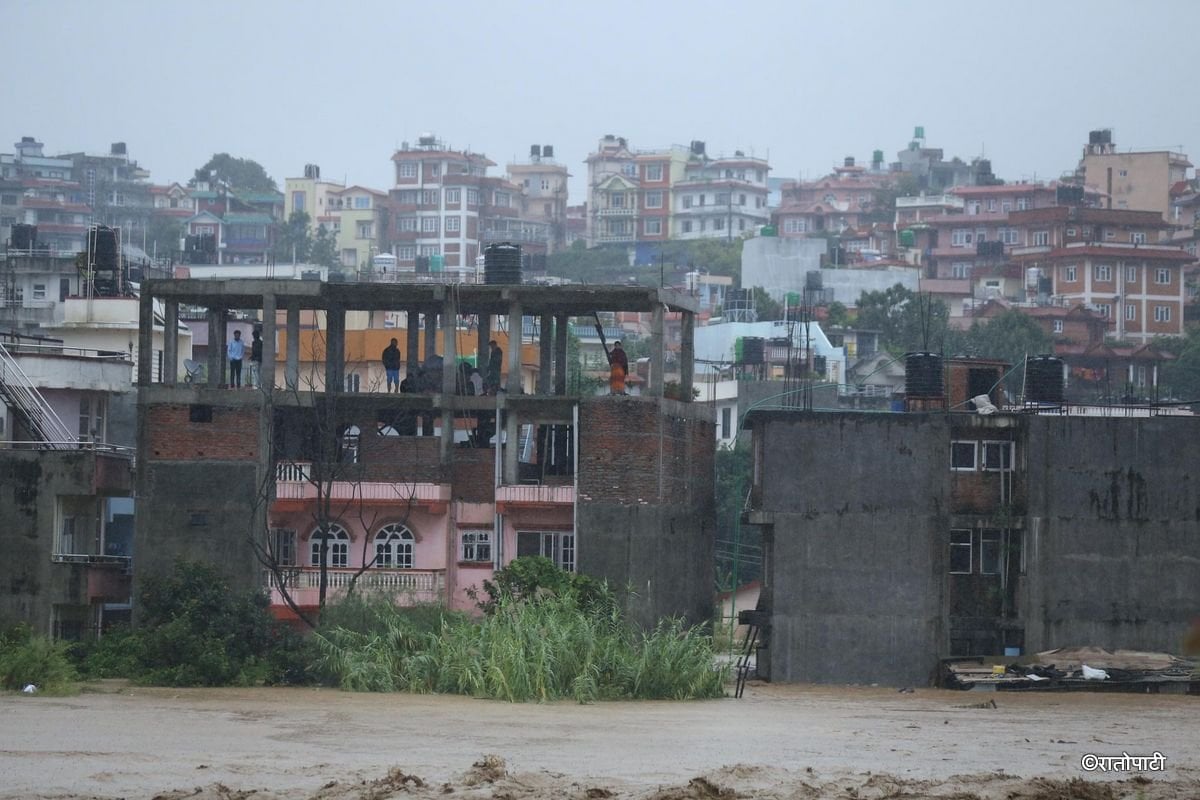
point(495, 366)
point(618, 364)
point(391, 365)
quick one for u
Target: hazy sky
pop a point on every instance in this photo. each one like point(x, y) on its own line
point(342, 84)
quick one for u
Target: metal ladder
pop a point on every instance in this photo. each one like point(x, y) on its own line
point(754, 620)
point(19, 394)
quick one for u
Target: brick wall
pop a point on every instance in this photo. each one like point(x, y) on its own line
point(232, 435)
point(473, 473)
point(401, 458)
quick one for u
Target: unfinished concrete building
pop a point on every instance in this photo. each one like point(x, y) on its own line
point(307, 487)
point(895, 540)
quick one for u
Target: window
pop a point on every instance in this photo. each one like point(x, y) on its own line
point(407, 197)
point(1110, 235)
point(39, 291)
point(362, 202)
point(365, 230)
point(1104, 309)
point(687, 201)
point(406, 253)
point(997, 456)
point(429, 250)
point(545, 185)
point(453, 224)
point(1162, 313)
point(721, 199)
point(406, 224)
point(1131, 274)
point(652, 227)
point(616, 200)
point(558, 546)
point(332, 547)
point(1041, 238)
point(475, 545)
point(962, 456)
point(991, 204)
point(394, 547)
point(1162, 277)
point(960, 237)
point(726, 422)
point(283, 546)
point(1123, 173)
point(453, 196)
point(741, 199)
point(353, 382)
point(434, 170)
point(629, 169)
point(297, 201)
point(1022, 204)
point(66, 536)
point(654, 199)
point(719, 224)
point(961, 270)
point(1137, 238)
point(85, 418)
point(1009, 235)
point(429, 224)
point(686, 226)
point(429, 197)
point(1102, 272)
point(989, 552)
point(501, 199)
point(472, 197)
point(1130, 312)
point(408, 169)
point(654, 172)
point(1058, 326)
point(793, 225)
point(960, 552)
point(1069, 274)
point(1071, 232)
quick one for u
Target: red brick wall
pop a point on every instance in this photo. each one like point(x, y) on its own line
point(172, 436)
point(473, 473)
point(401, 458)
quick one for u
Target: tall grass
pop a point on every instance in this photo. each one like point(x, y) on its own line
point(543, 649)
point(26, 659)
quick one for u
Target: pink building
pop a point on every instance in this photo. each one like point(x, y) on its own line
point(842, 200)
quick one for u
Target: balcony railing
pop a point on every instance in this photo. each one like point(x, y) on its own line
point(294, 480)
point(303, 583)
point(535, 495)
point(617, 212)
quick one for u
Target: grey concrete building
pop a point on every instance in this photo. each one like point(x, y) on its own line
point(304, 484)
point(896, 540)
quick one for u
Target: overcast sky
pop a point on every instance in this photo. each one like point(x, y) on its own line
point(805, 83)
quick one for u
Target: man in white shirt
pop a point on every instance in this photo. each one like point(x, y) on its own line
point(236, 351)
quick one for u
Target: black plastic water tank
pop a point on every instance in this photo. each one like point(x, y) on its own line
point(24, 236)
point(752, 350)
point(102, 241)
point(923, 375)
point(502, 263)
point(1044, 379)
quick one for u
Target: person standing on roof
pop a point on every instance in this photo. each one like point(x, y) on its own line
point(391, 366)
point(256, 353)
point(618, 368)
point(236, 351)
point(495, 366)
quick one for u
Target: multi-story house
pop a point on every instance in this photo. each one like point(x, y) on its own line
point(116, 188)
point(66, 430)
point(431, 491)
point(360, 221)
point(1102, 258)
point(844, 199)
point(43, 192)
point(310, 195)
point(1137, 181)
point(544, 185)
point(648, 196)
point(173, 201)
point(716, 198)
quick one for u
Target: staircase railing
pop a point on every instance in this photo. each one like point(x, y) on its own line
point(19, 393)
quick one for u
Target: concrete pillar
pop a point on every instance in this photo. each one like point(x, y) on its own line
point(335, 348)
point(216, 347)
point(656, 352)
point(170, 374)
point(430, 333)
point(412, 357)
point(512, 447)
point(515, 325)
point(449, 371)
point(145, 355)
point(560, 353)
point(483, 336)
point(291, 370)
point(545, 354)
point(687, 356)
point(267, 369)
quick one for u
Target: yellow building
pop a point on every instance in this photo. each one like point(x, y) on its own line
point(359, 211)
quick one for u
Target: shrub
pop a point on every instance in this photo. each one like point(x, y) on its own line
point(28, 659)
point(537, 577)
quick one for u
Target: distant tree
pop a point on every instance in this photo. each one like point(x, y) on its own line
point(836, 315)
point(324, 248)
point(766, 306)
point(239, 173)
point(1181, 377)
point(905, 320)
point(1010, 337)
point(163, 235)
point(293, 240)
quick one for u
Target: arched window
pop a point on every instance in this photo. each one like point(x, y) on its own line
point(394, 547)
point(334, 545)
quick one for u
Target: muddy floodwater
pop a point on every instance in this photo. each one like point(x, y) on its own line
point(777, 742)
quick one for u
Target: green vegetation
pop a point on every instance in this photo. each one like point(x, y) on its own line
point(906, 321)
point(27, 659)
point(611, 264)
point(546, 634)
point(241, 174)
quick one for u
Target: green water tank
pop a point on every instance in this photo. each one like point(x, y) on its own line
point(768, 230)
point(737, 349)
point(908, 238)
point(793, 299)
point(437, 263)
point(919, 132)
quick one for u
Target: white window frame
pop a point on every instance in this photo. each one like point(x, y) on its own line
point(652, 227)
point(1130, 312)
point(654, 172)
point(964, 537)
point(453, 224)
point(960, 237)
point(335, 546)
point(475, 545)
point(990, 451)
point(1137, 237)
point(394, 547)
point(1162, 313)
point(453, 196)
point(1162, 276)
point(1131, 275)
point(1041, 238)
point(990, 536)
point(1102, 273)
point(429, 197)
point(1058, 326)
point(957, 449)
point(429, 224)
point(654, 199)
point(1069, 275)
point(1104, 310)
point(558, 546)
point(408, 169)
point(283, 546)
